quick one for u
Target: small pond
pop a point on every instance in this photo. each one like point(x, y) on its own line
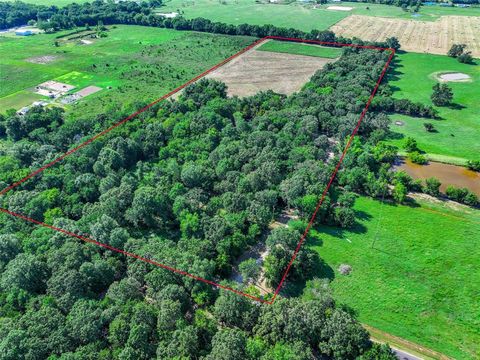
point(447, 174)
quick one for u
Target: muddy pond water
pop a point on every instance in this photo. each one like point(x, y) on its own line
point(457, 176)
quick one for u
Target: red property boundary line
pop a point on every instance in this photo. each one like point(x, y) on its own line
point(149, 261)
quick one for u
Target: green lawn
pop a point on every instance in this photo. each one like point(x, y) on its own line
point(458, 130)
point(250, 12)
point(296, 15)
point(19, 99)
point(139, 63)
point(301, 49)
point(415, 272)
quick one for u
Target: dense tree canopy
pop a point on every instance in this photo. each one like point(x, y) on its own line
point(192, 183)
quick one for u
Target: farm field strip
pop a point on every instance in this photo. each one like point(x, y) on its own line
point(435, 37)
point(87, 238)
point(300, 49)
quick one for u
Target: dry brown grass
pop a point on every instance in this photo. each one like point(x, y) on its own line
point(255, 71)
point(434, 37)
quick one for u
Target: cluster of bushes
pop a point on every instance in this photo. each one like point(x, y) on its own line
point(458, 51)
point(403, 106)
point(473, 165)
point(414, 153)
point(403, 183)
point(462, 195)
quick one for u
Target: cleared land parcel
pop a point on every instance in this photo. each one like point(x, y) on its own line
point(435, 37)
point(263, 70)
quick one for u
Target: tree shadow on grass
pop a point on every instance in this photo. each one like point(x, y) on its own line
point(295, 287)
point(392, 135)
point(456, 106)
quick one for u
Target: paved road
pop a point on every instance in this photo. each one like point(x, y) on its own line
point(402, 355)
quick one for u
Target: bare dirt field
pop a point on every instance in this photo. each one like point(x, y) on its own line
point(435, 37)
point(88, 90)
point(340, 8)
point(43, 59)
point(257, 71)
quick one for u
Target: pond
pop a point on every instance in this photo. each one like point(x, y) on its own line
point(457, 176)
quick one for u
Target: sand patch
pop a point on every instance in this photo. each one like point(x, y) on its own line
point(46, 59)
point(456, 77)
point(340, 8)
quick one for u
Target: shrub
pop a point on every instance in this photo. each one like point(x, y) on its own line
point(442, 95)
point(400, 192)
point(429, 127)
point(344, 269)
point(410, 144)
point(417, 158)
point(461, 195)
point(473, 165)
point(465, 58)
point(432, 186)
point(456, 50)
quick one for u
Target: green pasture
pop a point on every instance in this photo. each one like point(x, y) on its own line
point(19, 99)
point(301, 49)
point(415, 272)
point(249, 12)
point(139, 63)
point(297, 15)
point(458, 129)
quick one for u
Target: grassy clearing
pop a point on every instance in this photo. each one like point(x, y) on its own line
point(298, 16)
point(19, 99)
point(415, 272)
point(458, 130)
point(250, 12)
point(139, 63)
point(301, 49)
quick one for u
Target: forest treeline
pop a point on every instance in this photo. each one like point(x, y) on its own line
point(191, 183)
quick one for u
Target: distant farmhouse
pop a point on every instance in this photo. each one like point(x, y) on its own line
point(170, 15)
point(24, 32)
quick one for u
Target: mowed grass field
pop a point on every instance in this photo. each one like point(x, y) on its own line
point(458, 130)
point(301, 49)
point(415, 272)
point(297, 15)
point(140, 63)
